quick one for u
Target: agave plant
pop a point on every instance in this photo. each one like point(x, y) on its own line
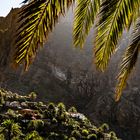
point(110, 17)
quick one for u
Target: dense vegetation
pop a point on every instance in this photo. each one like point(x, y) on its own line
point(25, 119)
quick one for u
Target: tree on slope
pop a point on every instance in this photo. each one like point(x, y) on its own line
point(33, 136)
point(111, 17)
point(10, 129)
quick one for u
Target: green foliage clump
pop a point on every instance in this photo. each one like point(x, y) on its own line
point(50, 112)
point(11, 113)
point(92, 137)
point(85, 132)
point(2, 137)
point(53, 136)
point(32, 96)
point(54, 122)
point(104, 127)
point(33, 136)
point(113, 135)
point(2, 101)
point(76, 134)
point(72, 138)
point(72, 110)
point(61, 108)
point(35, 125)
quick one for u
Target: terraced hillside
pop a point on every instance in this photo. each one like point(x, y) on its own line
point(25, 119)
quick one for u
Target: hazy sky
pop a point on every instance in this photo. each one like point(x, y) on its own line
point(6, 6)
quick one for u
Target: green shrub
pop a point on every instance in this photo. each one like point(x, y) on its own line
point(72, 138)
point(50, 112)
point(54, 121)
point(51, 106)
point(33, 136)
point(11, 113)
point(2, 137)
point(32, 96)
point(85, 132)
point(2, 101)
point(63, 137)
point(61, 107)
point(104, 127)
point(92, 137)
point(35, 125)
point(72, 110)
point(45, 114)
point(40, 104)
point(76, 134)
point(100, 134)
point(76, 126)
point(53, 136)
point(113, 135)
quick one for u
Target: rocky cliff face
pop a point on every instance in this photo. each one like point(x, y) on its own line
point(7, 28)
point(62, 73)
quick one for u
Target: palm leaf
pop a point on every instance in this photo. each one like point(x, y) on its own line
point(85, 14)
point(114, 17)
point(25, 1)
point(129, 61)
point(33, 135)
point(37, 19)
point(15, 130)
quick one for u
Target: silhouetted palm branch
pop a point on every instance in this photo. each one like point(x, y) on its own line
point(129, 60)
point(114, 17)
point(85, 14)
point(26, 1)
point(37, 19)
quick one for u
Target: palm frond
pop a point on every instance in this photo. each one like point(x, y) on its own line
point(37, 19)
point(114, 17)
point(25, 1)
point(128, 63)
point(15, 129)
point(85, 14)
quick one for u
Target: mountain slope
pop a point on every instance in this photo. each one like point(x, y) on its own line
point(61, 73)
